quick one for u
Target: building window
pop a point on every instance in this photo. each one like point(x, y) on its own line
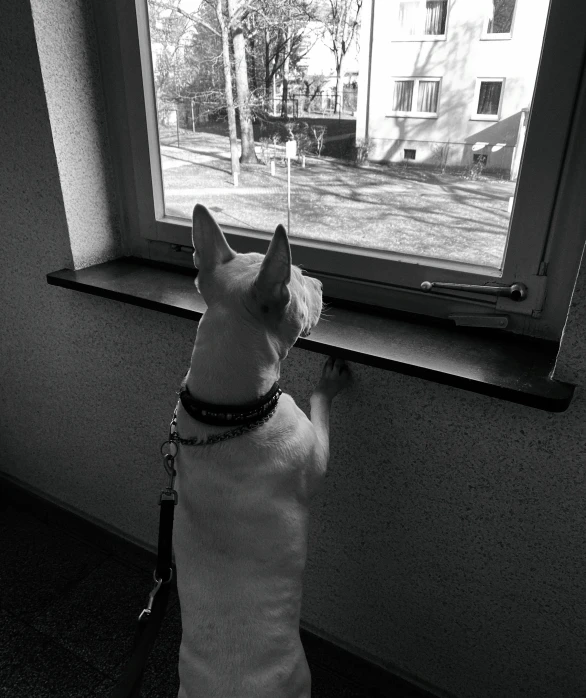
point(502, 17)
point(409, 154)
point(422, 19)
point(488, 99)
point(480, 158)
point(499, 22)
point(415, 97)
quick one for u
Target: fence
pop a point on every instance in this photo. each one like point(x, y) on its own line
point(276, 106)
point(324, 102)
point(188, 113)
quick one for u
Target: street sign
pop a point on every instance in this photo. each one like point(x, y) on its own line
point(290, 149)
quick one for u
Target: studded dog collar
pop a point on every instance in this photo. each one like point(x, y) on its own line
point(229, 415)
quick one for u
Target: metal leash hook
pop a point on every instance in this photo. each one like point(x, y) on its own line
point(147, 611)
point(169, 450)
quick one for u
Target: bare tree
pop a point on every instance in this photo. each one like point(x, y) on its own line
point(169, 26)
point(170, 36)
point(231, 110)
point(341, 22)
point(211, 53)
point(279, 37)
point(237, 10)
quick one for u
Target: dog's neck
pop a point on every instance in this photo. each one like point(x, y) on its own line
point(232, 363)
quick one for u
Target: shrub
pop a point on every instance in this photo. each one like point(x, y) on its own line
point(318, 136)
point(362, 149)
point(474, 171)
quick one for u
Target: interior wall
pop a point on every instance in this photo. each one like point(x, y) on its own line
point(448, 540)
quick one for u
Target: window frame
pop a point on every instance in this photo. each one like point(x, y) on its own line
point(416, 80)
point(400, 36)
point(386, 280)
point(487, 117)
point(498, 36)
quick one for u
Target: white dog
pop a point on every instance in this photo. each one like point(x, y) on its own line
point(240, 537)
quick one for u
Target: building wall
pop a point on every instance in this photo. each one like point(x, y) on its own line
point(459, 61)
point(448, 540)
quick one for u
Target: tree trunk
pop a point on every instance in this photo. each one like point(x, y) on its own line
point(228, 89)
point(268, 74)
point(338, 96)
point(241, 73)
point(252, 55)
point(285, 93)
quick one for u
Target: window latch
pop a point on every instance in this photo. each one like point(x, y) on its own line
point(516, 291)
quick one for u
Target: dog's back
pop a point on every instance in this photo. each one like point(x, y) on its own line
point(240, 544)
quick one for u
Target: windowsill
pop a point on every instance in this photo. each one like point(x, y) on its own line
point(484, 117)
point(421, 37)
point(503, 366)
point(495, 37)
point(411, 115)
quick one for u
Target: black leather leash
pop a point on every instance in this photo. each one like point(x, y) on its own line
point(151, 617)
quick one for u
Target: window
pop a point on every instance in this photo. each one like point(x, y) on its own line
point(415, 96)
point(499, 22)
point(409, 154)
point(480, 159)
point(372, 231)
point(488, 97)
point(422, 19)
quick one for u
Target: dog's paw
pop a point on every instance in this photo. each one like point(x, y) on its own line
point(334, 378)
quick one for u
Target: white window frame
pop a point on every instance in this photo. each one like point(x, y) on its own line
point(413, 113)
point(494, 36)
point(398, 35)
point(543, 250)
point(487, 117)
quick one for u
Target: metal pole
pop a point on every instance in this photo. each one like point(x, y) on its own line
point(177, 124)
point(289, 196)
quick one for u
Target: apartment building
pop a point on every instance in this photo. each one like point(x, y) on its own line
point(448, 81)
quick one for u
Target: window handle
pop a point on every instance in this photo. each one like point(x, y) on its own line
point(516, 291)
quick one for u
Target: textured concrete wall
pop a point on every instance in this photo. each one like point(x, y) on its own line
point(64, 34)
point(448, 540)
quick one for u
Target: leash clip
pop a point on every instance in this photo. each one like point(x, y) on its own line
point(147, 611)
point(169, 450)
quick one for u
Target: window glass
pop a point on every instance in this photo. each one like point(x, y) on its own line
point(501, 20)
point(403, 95)
point(435, 16)
point(427, 95)
point(489, 97)
point(409, 17)
point(231, 88)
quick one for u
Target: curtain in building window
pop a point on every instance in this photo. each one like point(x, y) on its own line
point(427, 96)
point(408, 17)
point(502, 17)
point(403, 96)
point(435, 16)
point(490, 97)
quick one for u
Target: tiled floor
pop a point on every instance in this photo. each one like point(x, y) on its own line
point(67, 617)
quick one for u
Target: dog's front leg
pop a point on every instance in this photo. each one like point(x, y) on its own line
point(334, 378)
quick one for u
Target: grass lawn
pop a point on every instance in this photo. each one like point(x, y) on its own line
point(394, 208)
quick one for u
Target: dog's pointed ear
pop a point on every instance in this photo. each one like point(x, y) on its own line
point(210, 246)
point(272, 282)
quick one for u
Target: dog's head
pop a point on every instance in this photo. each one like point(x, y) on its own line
point(269, 292)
